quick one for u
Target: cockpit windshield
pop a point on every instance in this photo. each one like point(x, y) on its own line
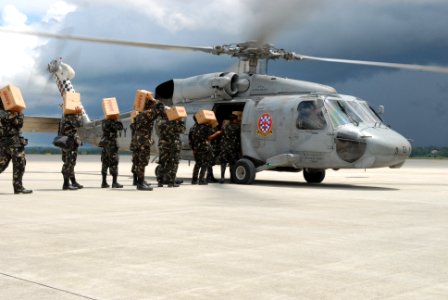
point(343, 112)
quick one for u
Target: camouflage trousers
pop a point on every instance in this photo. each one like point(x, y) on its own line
point(69, 157)
point(141, 160)
point(109, 160)
point(17, 155)
point(203, 160)
point(169, 163)
point(133, 168)
point(229, 156)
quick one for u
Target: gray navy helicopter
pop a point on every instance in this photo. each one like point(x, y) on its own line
point(287, 125)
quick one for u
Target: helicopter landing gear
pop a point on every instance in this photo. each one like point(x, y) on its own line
point(314, 175)
point(244, 171)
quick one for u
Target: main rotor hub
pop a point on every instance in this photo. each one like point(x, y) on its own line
point(252, 49)
point(252, 52)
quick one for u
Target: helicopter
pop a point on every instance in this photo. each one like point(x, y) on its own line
point(287, 124)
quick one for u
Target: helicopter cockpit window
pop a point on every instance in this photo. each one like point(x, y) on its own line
point(363, 110)
point(345, 112)
point(310, 116)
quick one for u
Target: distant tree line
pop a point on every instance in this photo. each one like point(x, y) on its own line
point(429, 152)
point(417, 152)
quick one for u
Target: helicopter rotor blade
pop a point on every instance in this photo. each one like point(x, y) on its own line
point(108, 41)
point(436, 69)
point(242, 50)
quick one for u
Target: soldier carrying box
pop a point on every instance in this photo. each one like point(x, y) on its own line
point(170, 126)
point(12, 143)
point(109, 156)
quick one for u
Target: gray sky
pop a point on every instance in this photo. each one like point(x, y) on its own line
point(401, 31)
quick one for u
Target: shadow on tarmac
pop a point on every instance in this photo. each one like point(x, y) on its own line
point(335, 186)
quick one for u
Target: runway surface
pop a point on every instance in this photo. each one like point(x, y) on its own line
point(361, 234)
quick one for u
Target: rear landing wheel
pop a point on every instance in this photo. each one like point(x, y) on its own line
point(314, 175)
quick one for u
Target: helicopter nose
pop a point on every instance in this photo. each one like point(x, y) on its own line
point(385, 148)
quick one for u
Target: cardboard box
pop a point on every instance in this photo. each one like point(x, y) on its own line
point(12, 98)
point(140, 99)
point(214, 123)
point(176, 113)
point(110, 108)
point(71, 102)
point(205, 117)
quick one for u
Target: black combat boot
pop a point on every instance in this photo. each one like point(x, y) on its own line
point(134, 179)
point(202, 180)
point(210, 177)
point(18, 187)
point(115, 184)
point(75, 183)
point(21, 190)
point(142, 186)
point(104, 184)
point(67, 185)
point(196, 168)
point(172, 184)
point(223, 172)
point(179, 181)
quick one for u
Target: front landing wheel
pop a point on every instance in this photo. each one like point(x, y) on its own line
point(244, 171)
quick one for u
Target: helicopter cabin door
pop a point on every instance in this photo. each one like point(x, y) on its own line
point(312, 134)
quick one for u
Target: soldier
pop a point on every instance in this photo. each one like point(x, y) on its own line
point(69, 127)
point(142, 141)
point(230, 145)
point(12, 147)
point(199, 137)
point(170, 147)
point(109, 155)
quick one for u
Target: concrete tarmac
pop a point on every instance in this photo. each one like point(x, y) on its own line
point(361, 234)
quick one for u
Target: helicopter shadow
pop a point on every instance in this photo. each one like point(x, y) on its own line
point(329, 186)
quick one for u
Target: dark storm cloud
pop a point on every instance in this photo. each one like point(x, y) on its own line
point(390, 32)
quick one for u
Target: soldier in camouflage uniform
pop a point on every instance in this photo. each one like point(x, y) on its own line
point(199, 138)
point(170, 147)
point(69, 127)
point(109, 155)
point(230, 145)
point(142, 141)
point(12, 147)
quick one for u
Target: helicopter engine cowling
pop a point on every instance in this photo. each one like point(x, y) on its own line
point(225, 85)
point(220, 86)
